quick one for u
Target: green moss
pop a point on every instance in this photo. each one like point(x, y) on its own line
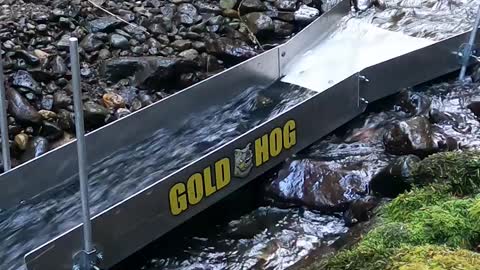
point(430, 227)
point(460, 171)
point(447, 223)
point(434, 258)
point(406, 204)
point(374, 251)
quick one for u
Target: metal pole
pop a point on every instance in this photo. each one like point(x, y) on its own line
point(3, 122)
point(82, 157)
point(467, 52)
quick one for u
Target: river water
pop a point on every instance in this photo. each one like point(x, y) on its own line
point(281, 237)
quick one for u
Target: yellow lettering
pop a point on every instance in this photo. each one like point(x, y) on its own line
point(276, 142)
point(222, 173)
point(261, 150)
point(178, 199)
point(195, 189)
point(207, 178)
point(289, 134)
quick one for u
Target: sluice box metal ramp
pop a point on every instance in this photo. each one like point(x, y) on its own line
point(342, 69)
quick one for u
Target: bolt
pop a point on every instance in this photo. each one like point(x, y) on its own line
point(363, 78)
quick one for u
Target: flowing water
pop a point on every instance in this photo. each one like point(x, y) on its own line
point(134, 167)
point(280, 237)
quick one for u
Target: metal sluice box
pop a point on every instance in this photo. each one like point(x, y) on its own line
point(173, 196)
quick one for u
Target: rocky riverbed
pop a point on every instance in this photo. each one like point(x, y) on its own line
point(133, 53)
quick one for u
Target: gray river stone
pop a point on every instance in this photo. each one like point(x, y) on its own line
point(317, 185)
point(412, 136)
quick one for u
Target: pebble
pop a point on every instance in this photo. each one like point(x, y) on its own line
point(21, 141)
point(112, 100)
point(119, 41)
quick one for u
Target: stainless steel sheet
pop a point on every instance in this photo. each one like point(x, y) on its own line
point(145, 216)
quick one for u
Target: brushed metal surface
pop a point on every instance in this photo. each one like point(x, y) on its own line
point(145, 216)
point(54, 167)
point(412, 68)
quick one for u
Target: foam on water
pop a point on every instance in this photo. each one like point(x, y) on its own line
point(352, 48)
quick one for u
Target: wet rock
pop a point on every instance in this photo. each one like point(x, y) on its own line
point(61, 99)
point(41, 75)
point(51, 131)
point(95, 114)
point(41, 54)
point(230, 13)
point(262, 102)
point(306, 14)
point(315, 184)
point(42, 27)
point(413, 104)
point(360, 210)
point(199, 46)
point(439, 117)
point(104, 54)
point(217, 20)
point(119, 41)
point(187, 14)
point(149, 72)
point(21, 141)
point(58, 66)
point(259, 23)
point(145, 98)
point(182, 45)
point(286, 16)
point(48, 115)
point(188, 79)
point(40, 146)
point(282, 29)
point(66, 119)
point(20, 108)
point(137, 50)
point(287, 5)
point(47, 102)
point(23, 79)
point(210, 62)
point(29, 58)
point(104, 24)
point(413, 136)
point(395, 178)
point(229, 48)
point(190, 54)
point(112, 100)
point(204, 7)
point(90, 43)
point(157, 29)
point(228, 4)
point(252, 6)
point(64, 42)
point(474, 106)
point(122, 112)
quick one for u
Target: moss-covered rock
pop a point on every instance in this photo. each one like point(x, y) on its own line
point(434, 226)
point(434, 258)
point(460, 171)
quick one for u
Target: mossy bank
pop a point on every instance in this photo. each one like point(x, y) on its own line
point(435, 225)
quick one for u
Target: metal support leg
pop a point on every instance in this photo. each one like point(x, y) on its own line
point(467, 52)
point(85, 259)
point(3, 122)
